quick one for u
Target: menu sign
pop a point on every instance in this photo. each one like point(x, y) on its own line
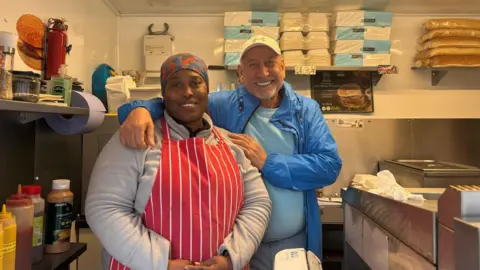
point(343, 91)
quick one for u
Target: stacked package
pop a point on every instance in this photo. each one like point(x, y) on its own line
point(361, 38)
point(241, 26)
point(449, 43)
point(304, 39)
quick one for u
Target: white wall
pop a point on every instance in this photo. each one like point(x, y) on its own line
point(202, 36)
point(405, 95)
point(92, 31)
point(101, 37)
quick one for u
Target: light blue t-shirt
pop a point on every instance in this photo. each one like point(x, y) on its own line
point(288, 211)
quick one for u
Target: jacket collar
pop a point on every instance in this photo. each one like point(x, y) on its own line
point(289, 106)
point(183, 132)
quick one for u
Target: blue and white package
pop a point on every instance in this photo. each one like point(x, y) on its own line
point(361, 60)
point(362, 46)
point(238, 32)
point(232, 59)
point(363, 18)
point(234, 45)
point(361, 33)
point(246, 32)
point(251, 18)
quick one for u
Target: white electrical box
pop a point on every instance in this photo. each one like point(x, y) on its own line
point(156, 49)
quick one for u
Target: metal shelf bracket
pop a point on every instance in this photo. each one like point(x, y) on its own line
point(27, 117)
point(437, 76)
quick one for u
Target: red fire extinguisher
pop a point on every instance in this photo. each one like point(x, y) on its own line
point(56, 46)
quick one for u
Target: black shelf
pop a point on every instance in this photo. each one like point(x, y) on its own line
point(61, 261)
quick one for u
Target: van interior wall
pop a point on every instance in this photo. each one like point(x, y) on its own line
point(361, 149)
point(92, 31)
point(407, 94)
point(32, 149)
point(453, 140)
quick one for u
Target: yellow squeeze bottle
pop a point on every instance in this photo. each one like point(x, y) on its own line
point(9, 238)
point(1, 246)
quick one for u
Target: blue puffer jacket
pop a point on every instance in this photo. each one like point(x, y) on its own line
point(315, 163)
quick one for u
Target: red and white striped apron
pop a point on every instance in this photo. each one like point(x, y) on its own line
point(195, 199)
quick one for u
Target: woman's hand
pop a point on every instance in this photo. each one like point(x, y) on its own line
point(178, 264)
point(214, 263)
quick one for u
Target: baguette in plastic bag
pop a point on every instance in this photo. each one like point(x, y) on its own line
point(460, 42)
point(449, 33)
point(447, 51)
point(450, 61)
point(452, 23)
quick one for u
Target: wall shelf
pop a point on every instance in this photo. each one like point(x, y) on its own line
point(330, 68)
point(61, 261)
point(375, 71)
point(32, 111)
point(154, 88)
point(437, 74)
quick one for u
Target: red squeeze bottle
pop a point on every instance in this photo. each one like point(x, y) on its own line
point(21, 207)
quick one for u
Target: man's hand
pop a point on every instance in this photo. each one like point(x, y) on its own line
point(253, 150)
point(137, 130)
point(178, 264)
point(214, 263)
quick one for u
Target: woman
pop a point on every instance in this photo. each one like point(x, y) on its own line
point(191, 202)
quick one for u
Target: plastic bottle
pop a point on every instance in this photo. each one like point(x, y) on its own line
point(22, 208)
point(1, 246)
point(9, 238)
point(33, 191)
point(62, 84)
point(59, 215)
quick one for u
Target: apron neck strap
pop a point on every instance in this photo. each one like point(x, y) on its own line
point(165, 129)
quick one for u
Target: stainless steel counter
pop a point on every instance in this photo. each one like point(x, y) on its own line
point(411, 222)
point(376, 247)
point(408, 234)
point(467, 239)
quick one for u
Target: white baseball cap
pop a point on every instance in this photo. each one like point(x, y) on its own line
point(257, 41)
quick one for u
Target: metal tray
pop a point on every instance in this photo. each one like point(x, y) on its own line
point(437, 167)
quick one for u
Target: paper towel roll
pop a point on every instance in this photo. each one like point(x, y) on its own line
point(79, 124)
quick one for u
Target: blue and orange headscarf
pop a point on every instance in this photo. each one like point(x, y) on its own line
point(182, 61)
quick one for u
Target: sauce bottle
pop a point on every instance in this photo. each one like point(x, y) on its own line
point(9, 238)
point(22, 208)
point(59, 215)
point(62, 84)
point(33, 191)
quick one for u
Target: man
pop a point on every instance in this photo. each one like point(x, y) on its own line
point(284, 135)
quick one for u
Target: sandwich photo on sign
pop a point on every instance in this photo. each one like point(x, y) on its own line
point(343, 92)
